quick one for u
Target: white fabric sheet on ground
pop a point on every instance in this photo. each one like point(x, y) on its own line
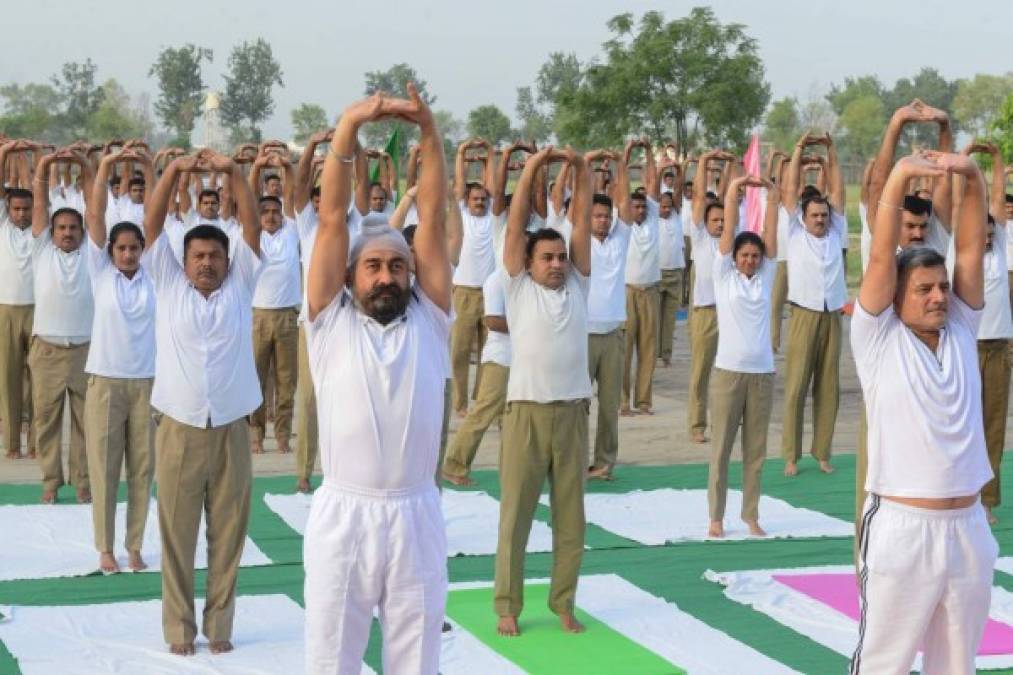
point(1005, 564)
point(655, 517)
point(820, 622)
point(461, 653)
point(126, 637)
point(471, 517)
point(661, 627)
point(58, 541)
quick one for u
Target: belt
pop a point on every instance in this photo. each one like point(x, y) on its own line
point(704, 307)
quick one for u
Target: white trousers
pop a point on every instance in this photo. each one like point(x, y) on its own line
point(364, 551)
point(926, 583)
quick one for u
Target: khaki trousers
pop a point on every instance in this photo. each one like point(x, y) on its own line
point(276, 341)
point(15, 340)
point(469, 306)
point(539, 440)
point(605, 356)
point(994, 365)
point(198, 470)
point(58, 372)
point(778, 298)
point(489, 405)
point(671, 300)
point(703, 340)
point(813, 355)
point(642, 305)
point(306, 428)
point(738, 399)
point(118, 427)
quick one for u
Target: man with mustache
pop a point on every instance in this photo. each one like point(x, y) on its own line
point(378, 354)
point(205, 386)
point(61, 331)
point(545, 425)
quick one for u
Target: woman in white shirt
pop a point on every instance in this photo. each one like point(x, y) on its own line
point(742, 383)
point(121, 369)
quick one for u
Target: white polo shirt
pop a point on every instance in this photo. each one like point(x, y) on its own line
point(306, 224)
point(643, 259)
point(743, 309)
point(497, 345)
point(548, 334)
point(127, 210)
point(379, 393)
point(16, 281)
point(123, 332)
point(996, 323)
point(204, 369)
point(815, 266)
point(64, 306)
point(606, 300)
point(705, 249)
point(926, 434)
point(279, 285)
point(671, 243)
point(478, 250)
point(176, 229)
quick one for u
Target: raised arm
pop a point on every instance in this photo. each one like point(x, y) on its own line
point(866, 175)
point(520, 211)
point(836, 191)
point(460, 172)
point(157, 204)
point(652, 181)
point(498, 192)
point(700, 185)
point(731, 208)
point(622, 188)
point(559, 188)
point(789, 191)
point(95, 207)
point(580, 212)
point(40, 194)
point(288, 186)
point(361, 179)
point(401, 212)
point(303, 182)
point(412, 170)
point(246, 202)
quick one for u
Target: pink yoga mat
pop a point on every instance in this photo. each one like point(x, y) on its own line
point(839, 592)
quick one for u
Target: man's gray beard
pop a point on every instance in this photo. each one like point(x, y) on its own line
point(382, 308)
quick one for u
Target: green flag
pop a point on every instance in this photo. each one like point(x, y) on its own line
point(392, 150)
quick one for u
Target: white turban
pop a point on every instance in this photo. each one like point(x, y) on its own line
point(377, 234)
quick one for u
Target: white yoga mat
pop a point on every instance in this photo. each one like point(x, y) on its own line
point(655, 517)
point(472, 520)
point(58, 541)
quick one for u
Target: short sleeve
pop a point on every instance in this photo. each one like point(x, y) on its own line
point(306, 221)
point(653, 208)
point(962, 313)
point(439, 319)
point(582, 282)
point(723, 265)
point(40, 242)
point(97, 258)
point(246, 264)
point(492, 292)
point(868, 335)
point(319, 328)
point(160, 262)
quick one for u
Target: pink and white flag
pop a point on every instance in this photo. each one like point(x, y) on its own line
point(754, 202)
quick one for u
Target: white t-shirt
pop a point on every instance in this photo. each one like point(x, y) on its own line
point(478, 250)
point(671, 242)
point(815, 265)
point(176, 229)
point(279, 284)
point(379, 393)
point(643, 259)
point(306, 224)
point(123, 332)
point(743, 309)
point(926, 435)
point(16, 282)
point(204, 369)
point(996, 323)
point(127, 210)
point(705, 249)
point(548, 334)
point(497, 345)
point(64, 305)
point(606, 300)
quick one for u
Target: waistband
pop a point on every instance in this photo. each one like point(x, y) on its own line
point(928, 514)
point(710, 307)
point(290, 308)
point(644, 287)
point(557, 404)
point(468, 288)
point(379, 493)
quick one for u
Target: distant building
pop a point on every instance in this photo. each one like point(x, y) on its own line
point(214, 134)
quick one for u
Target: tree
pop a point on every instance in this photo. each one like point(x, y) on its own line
point(855, 87)
point(675, 79)
point(181, 88)
point(782, 126)
point(80, 97)
point(535, 124)
point(979, 99)
point(308, 119)
point(1002, 129)
point(489, 122)
point(253, 72)
point(394, 81)
point(862, 122)
point(115, 118)
point(29, 111)
point(452, 131)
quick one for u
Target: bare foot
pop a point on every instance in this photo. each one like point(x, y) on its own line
point(463, 481)
point(462, 413)
point(283, 447)
point(645, 410)
point(256, 447)
point(107, 563)
point(13, 454)
point(31, 454)
point(508, 627)
point(754, 528)
point(790, 469)
point(666, 363)
point(49, 496)
point(136, 562)
point(570, 623)
point(626, 412)
point(992, 520)
point(600, 473)
point(716, 529)
point(825, 466)
point(83, 496)
point(183, 648)
point(303, 485)
point(698, 437)
point(220, 646)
